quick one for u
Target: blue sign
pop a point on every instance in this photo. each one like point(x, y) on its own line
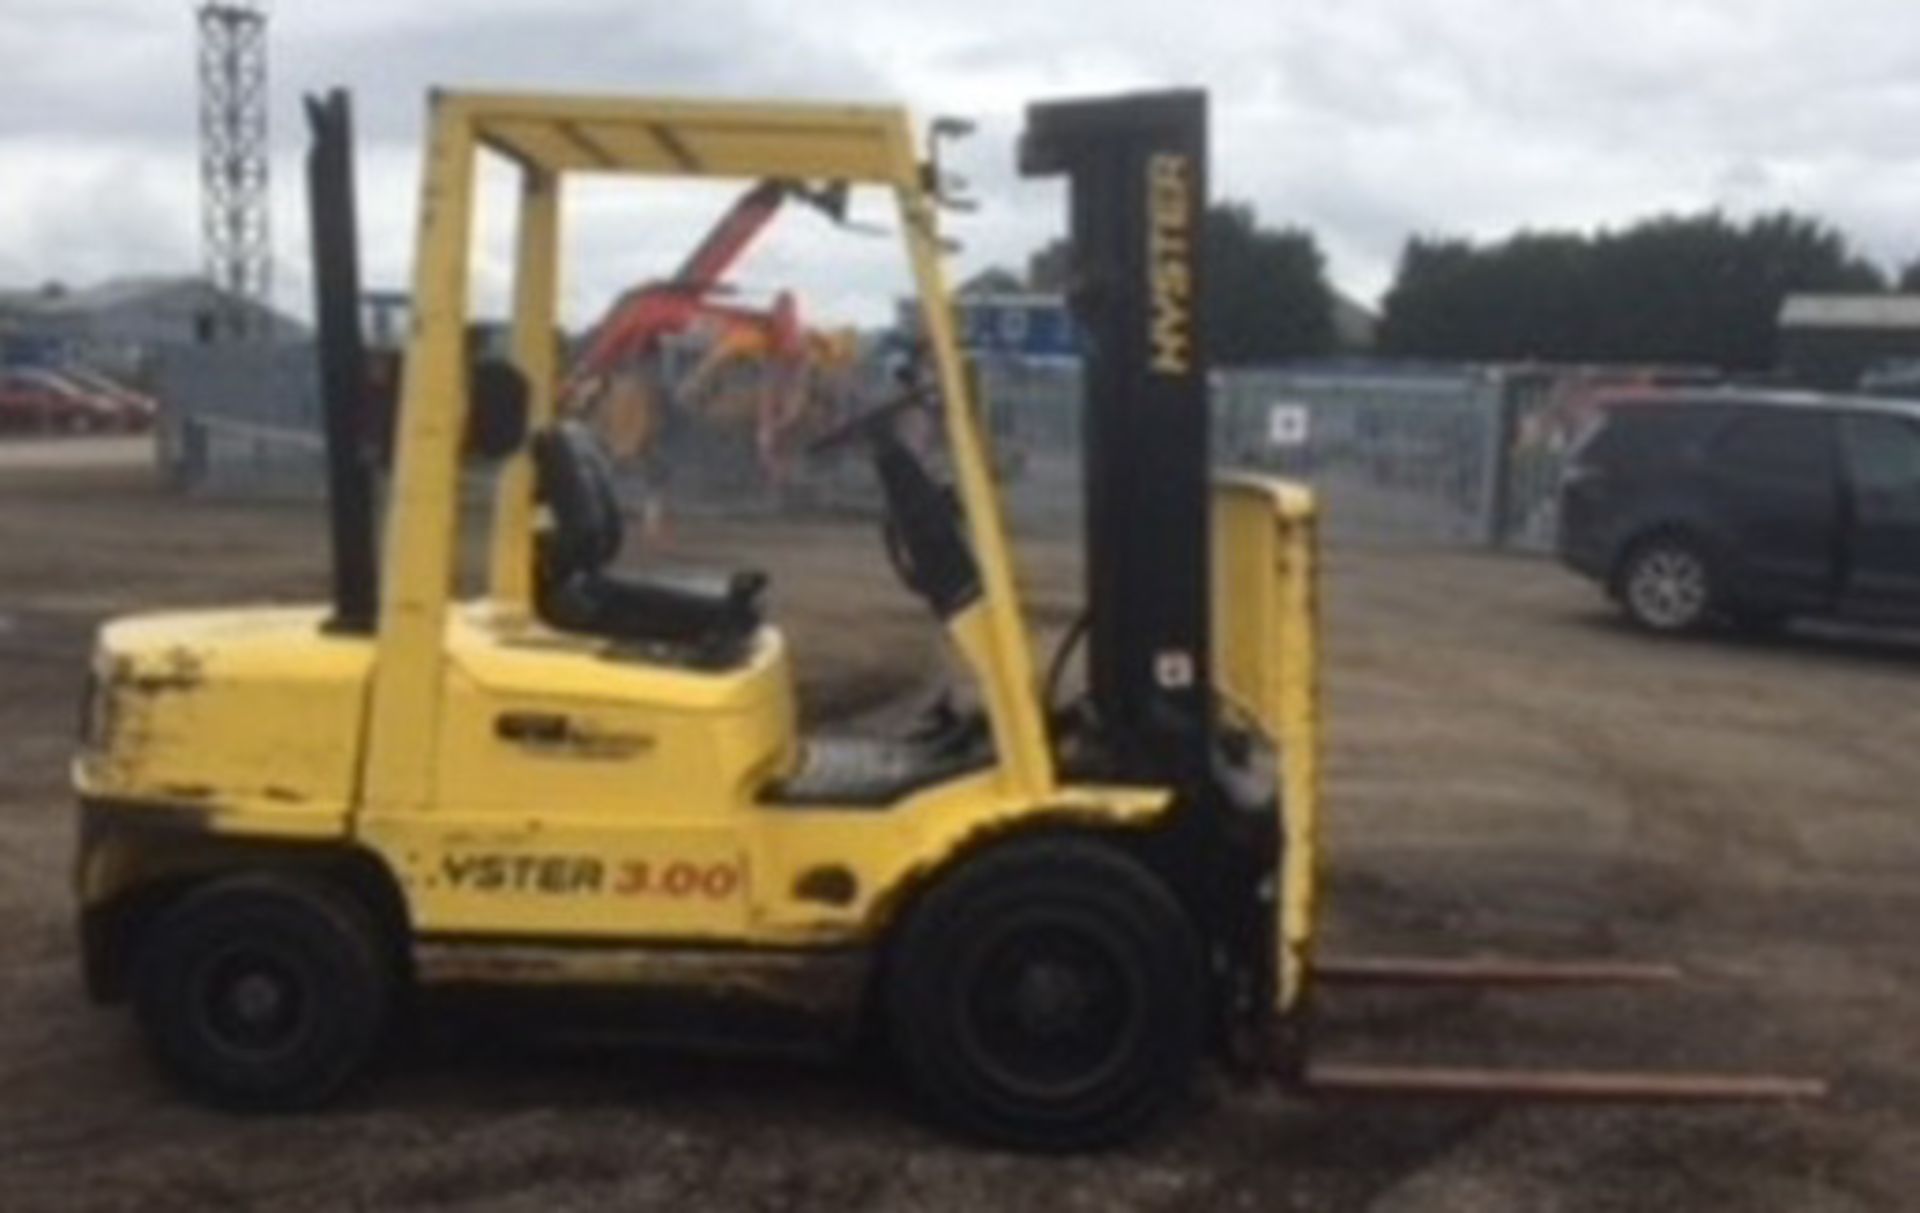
point(1024, 326)
point(1011, 326)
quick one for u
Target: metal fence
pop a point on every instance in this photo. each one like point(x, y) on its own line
point(241, 419)
point(1435, 455)
point(1417, 455)
point(1410, 456)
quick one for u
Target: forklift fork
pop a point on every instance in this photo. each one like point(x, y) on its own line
point(1346, 1080)
point(1488, 972)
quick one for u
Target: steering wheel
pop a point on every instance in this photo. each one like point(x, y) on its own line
point(921, 531)
point(864, 423)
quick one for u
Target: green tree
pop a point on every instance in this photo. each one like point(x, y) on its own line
point(1525, 298)
point(1267, 296)
point(1682, 289)
point(1910, 277)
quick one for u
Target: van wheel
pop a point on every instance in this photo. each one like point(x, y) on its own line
point(263, 991)
point(1048, 996)
point(1666, 585)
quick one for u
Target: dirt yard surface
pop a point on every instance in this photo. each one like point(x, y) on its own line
point(18, 455)
point(1510, 770)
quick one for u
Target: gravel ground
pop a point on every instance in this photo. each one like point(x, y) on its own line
point(1510, 770)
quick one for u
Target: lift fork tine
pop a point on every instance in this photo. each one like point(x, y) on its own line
point(1488, 972)
point(1358, 1080)
point(1562, 1086)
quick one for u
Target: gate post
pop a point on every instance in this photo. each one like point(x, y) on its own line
point(1497, 485)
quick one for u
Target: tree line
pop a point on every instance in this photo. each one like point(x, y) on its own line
point(1699, 289)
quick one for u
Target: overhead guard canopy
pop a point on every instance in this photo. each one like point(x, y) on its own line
point(700, 139)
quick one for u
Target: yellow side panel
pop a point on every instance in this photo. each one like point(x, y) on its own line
point(574, 875)
point(564, 729)
point(581, 791)
point(252, 715)
point(884, 850)
point(1266, 666)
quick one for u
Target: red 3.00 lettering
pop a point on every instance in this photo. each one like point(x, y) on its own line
point(676, 879)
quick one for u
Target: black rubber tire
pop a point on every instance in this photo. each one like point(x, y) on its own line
point(1140, 978)
point(312, 947)
point(1685, 610)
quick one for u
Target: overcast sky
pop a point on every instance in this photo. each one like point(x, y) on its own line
point(1364, 120)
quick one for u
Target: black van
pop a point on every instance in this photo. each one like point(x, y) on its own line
point(1747, 507)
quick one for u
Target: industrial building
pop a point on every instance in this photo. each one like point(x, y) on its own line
point(118, 325)
point(1849, 342)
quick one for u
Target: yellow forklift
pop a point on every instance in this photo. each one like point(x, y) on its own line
point(291, 818)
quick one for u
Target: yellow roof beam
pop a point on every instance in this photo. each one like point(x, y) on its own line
point(691, 139)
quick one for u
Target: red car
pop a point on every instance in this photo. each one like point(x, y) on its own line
point(133, 411)
point(29, 405)
point(35, 400)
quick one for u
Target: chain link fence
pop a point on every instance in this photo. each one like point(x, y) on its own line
point(1428, 454)
point(1404, 456)
point(1395, 455)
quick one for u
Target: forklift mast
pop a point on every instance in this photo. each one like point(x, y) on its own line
point(1136, 168)
point(344, 371)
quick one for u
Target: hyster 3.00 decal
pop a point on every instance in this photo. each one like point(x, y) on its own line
point(564, 875)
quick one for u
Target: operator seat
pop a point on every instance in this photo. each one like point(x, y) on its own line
point(712, 614)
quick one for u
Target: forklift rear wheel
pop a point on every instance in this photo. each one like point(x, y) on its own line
point(1049, 995)
point(263, 991)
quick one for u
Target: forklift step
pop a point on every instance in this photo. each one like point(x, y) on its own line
point(1488, 972)
point(1555, 1086)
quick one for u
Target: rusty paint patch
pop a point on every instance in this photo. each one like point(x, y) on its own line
point(825, 981)
point(178, 669)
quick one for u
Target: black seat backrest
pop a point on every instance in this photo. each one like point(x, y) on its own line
point(574, 474)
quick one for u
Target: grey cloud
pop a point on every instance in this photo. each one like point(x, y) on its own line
point(97, 70)
point(1365, 120)
point(711, 48)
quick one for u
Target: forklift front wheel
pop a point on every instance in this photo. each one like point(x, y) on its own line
point(263, 991)
point(1049, 995)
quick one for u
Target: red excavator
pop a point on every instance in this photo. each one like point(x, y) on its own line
point(637, 323)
